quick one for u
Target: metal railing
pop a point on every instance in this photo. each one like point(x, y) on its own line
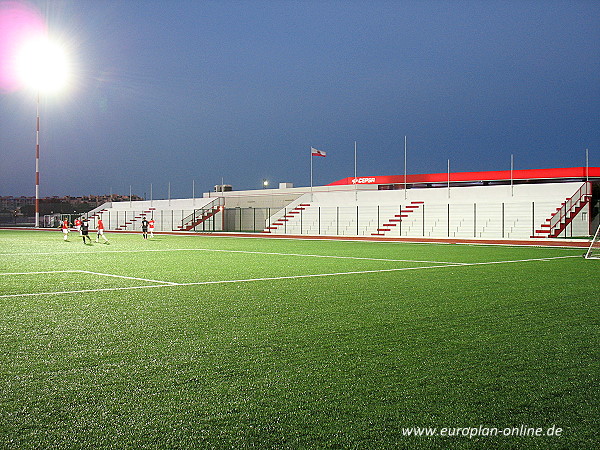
point(562, 215)
point(516, 220)
point(199, 216)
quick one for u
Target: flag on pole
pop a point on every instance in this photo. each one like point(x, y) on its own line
point(315, 152)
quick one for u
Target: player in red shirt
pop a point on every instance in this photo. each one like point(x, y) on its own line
point(151, 227)
point(65, 229)
point(77, 225)
point(100, 231)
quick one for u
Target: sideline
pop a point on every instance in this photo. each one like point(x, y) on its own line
point(288, 277)
point(537, 242)
point(218, 250)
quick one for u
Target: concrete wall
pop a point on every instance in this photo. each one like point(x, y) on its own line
point(464, 212)
point(473, 211)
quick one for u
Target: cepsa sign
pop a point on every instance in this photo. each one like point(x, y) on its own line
point(365, 180)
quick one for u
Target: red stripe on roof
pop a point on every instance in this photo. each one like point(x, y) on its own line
point(498, 175)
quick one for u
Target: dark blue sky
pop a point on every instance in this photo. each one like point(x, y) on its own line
point(175, 91)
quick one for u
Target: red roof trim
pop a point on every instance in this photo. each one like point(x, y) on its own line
point(498, 175)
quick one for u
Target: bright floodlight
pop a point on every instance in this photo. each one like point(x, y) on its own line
point(43, 65)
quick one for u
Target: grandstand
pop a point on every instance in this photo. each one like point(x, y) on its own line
point(525, 204)
point(173, 215)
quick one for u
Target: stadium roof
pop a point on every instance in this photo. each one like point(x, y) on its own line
point(493, 177)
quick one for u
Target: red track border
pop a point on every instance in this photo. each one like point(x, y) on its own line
point(540, 242)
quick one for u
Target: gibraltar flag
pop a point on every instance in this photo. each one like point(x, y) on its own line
point(315, 152)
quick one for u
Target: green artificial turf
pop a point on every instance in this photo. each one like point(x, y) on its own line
point(187, 353)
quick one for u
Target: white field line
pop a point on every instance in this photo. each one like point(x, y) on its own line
point(289, 277)
point(89, 272)
point(123, 276)
point(31, 294)
point(243, 252)
point(36, 273)
point(308, 255)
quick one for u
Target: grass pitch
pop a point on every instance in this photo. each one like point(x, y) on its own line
point(188, 342)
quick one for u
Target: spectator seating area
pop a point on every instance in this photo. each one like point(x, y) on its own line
point(503, 211)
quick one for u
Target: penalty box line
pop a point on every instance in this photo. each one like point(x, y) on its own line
point(159, 283)
point(162, 284)
point(127, 278)
point(88, 272)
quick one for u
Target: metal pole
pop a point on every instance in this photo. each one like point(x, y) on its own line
point(587, 165)
point(355, 183)
point(354, 160)
point(448, 178)
point(311, 175)
point(512, 163)
point(37, 163)
point(404, 167)
point(448, 219)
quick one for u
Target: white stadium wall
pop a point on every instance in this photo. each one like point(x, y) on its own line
point(482, 212)
point(512, 212)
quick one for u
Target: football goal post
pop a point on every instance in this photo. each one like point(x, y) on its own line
point(594, 250)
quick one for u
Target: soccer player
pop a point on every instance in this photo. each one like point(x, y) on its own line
point(100, 231)
point(84, 231)
point(65, 229)
point(151, 227)
point(77, 225)
point(145, 228)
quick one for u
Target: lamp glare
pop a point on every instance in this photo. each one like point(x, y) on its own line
point(42, 65)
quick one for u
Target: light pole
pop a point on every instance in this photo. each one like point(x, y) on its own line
point(265, 183)
point(37, 163)
point(41, 65)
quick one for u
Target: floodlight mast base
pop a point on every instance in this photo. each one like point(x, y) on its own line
point(37, 163)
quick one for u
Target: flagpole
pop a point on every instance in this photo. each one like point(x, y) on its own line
point(311, 174)
point(355, 183)
point(587, 165)
point(448, 178)
point(405, 167)
point(512, 164)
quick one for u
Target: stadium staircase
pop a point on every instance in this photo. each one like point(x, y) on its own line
point(97, 214)
point(564, 215)
point(134, 219)
point(397, 218)
point(200, 216)
point(288, 217)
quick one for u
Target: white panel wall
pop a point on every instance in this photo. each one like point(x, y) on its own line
point(461, 212)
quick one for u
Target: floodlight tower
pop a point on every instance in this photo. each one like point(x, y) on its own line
point(37, 161)
point(42, 65)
